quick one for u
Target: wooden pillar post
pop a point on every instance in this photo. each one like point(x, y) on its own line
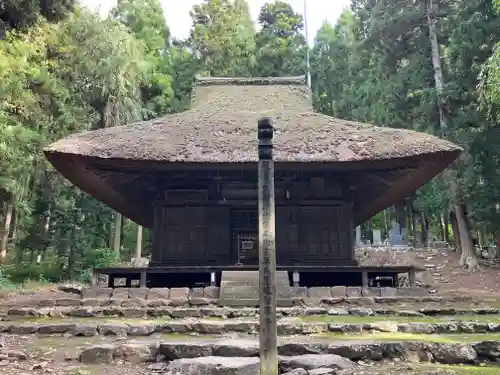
point(138, 246)
point(412, 277)
point(95, 277)
point(364, 279)
point(143, 281)
point(267, 252)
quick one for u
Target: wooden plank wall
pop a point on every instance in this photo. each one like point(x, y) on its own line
point(305, 235)
point(313, 223)
point(191, 235)
point(313, 235)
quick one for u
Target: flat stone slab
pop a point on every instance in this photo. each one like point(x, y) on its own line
point(214, 366)
point(296, 352)
point(209, 296)
point(241, 288)
point(286, 327)
point(314, 361)
point(158, 308)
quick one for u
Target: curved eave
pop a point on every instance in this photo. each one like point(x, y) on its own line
point(405, 186)
point(72, 168)
point(76, 169)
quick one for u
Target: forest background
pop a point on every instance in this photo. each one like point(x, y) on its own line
point(426, 65)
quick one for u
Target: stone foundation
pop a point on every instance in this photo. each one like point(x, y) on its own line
point(211, 294)
point(160, 309)
point(293, 355)
point(286, 327)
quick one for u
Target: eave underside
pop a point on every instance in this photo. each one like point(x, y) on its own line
point(362, 188)
point(130, 187)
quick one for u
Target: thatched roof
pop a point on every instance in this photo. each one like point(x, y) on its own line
point(221, 127)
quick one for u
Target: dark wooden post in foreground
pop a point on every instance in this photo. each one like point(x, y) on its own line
point(267, 252)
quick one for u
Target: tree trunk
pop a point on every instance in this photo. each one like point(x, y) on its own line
point(414, 226)
point(13, 230)
point(432, 12)
point(456, 233)
point(484, 237)
point(386, 223)
point(45, 226)
point(423, 234)
point(369, 231)
point(138, 246)
point(400, 215)
point(468, 257)
point(480, 239)
point(71, 252)
point(441, 228)
point(111, 237)
point(6, 230)
point(118, 233)
point(446, 221)
point(61, 246)
point(409, 219)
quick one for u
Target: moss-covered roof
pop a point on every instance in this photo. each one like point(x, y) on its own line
point(221, 127)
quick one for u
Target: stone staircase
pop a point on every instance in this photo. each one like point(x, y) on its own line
point(241, 288)
point(191, 332)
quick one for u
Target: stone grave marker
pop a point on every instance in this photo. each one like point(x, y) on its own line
point(397, 239)
point(377, 237)
point(358, 236)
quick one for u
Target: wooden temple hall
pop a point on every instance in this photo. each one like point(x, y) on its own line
point(192, 178)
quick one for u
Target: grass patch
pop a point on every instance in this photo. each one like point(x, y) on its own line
point(473, 370)
point(348, 319)
point(382, 336)
point(434, 369)
point(96, 320)
point(27, 287)
point(400, 319)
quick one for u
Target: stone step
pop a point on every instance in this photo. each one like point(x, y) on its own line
point(294, 349)
point(158, 308)
point(286, 326)
point(241, 288)
point(245, 294)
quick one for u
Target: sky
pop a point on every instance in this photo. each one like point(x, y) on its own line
point(179, 22)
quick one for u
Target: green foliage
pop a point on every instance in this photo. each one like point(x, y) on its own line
point(146, 21)
point(20, 14)
point(47, 271)
point(65, 71)
point(95, 258)
point(222, 36)
point(104, 64)
point(490, 85)
point(378, 221)
point(281, 47)
point(78, 74)
point(5, 281)
point(375, 66)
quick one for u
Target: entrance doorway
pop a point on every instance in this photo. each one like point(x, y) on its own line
point(245, 236)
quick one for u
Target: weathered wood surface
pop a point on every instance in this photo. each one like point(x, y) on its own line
point(305, 235)
point(204, 222)
point(191, 235)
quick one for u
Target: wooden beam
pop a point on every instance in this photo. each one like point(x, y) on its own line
point(162, 165)
point(301, 170)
